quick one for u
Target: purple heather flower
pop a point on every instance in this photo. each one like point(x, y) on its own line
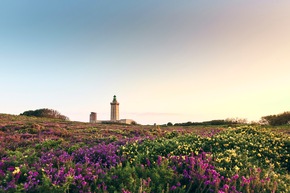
point(125, 191)
point(234, 188)
point(191, 160)
point(147, 182)
point(159, 160)
point(185, 173)
point(245, 180)
point(148, 162)
point(11, 169)
point(262, 181)
point(84, 183)
point(2, 173)
point(173, 188)
point(114, 177)
point(208, 182)
point(204, 166)
point(235, 177)
point(104, 186)
point(226, 187)
point(173, 168)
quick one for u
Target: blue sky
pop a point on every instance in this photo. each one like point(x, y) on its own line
point(165, 60)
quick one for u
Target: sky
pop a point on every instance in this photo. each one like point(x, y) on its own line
point(166, 61)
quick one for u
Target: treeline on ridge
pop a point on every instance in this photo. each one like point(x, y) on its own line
point(272, 120)
point(233, 121)
point(45, 113)
point(275, 120)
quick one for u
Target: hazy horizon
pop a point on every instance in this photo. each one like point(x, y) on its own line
point(166, 61)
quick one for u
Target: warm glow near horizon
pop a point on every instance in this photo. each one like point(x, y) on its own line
point(166, 61)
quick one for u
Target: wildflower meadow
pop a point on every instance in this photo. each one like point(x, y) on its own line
point(46, 155)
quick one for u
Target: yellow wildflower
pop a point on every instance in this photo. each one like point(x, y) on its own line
point(16, 171)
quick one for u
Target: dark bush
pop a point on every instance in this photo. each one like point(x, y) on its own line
point(274, 120)
point(46, 113)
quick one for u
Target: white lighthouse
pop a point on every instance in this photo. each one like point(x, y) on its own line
point(114, 115)
point(114, 109)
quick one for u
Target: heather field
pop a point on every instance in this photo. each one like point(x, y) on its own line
point(45, 155)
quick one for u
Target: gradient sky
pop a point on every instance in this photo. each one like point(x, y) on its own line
point(165, 60)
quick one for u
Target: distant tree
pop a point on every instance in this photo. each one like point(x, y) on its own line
point(229, 121)
point(46, 113)
point(274, 120)
point(133, 123)
point(236, 121)
point(214, 122)
point(169, 124)
point(188, 123)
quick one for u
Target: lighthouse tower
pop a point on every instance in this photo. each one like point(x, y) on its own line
point(114, 109)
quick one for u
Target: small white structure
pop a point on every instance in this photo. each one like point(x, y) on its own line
point(127, 121)
point(93, 117)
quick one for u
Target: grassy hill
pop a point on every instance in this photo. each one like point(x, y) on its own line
point(49, 155)
point(14, 128)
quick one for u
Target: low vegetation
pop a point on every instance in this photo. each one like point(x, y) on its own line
point(48, 155)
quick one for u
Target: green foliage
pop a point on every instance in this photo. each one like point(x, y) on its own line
point(244, 147)
point(231, 121)
point(49, 144)
point(150, 149)
point(142, 159)
point(74, 147)
point(274, 120)
point(233, 151)
point(140, 178)
point(47, 113)
point(123, 178)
